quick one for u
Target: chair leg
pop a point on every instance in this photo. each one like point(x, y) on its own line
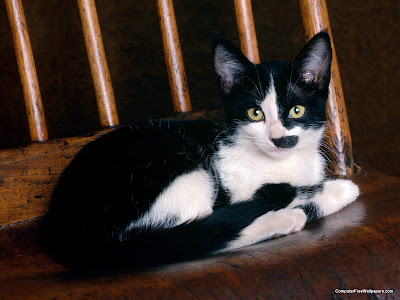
point(315, 19)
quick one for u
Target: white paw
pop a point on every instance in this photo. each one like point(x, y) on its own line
point(345, 191)
point(272, 224)
point(299, 217)
point(290, 221)
point(336, 195)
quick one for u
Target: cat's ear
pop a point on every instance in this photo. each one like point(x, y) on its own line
point(230, 64)
point(313, 64)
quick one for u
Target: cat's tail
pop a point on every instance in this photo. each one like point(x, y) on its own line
point(77, 245)
point(196, 239)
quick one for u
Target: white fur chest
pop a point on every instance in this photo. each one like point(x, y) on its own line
point(243, 171)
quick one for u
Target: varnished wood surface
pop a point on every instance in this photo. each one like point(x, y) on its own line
point(27, 70)
point(29, 174)
point(315, 19)
point(98, 63)
point(356, 248)
point(173, 56)
point(247, 30)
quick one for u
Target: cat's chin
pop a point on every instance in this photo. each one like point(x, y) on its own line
point(279, 152)
point(276, 152)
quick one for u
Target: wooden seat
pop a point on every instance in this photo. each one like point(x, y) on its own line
point(356, 248)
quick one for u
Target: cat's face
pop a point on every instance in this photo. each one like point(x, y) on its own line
point(274, 107)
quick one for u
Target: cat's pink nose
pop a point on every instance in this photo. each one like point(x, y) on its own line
point(276, 130)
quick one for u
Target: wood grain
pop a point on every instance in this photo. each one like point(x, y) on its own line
point(315, 19)
point(27, 70)
point(354, 248)
point(29, 174)
point(173, 56)
point(247, 30)
point(98, 63)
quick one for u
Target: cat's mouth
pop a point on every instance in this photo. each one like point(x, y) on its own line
point(269, 149)
point(280, 147)
point(278, 151)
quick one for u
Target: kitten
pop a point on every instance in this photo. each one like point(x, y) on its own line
point(162, 191)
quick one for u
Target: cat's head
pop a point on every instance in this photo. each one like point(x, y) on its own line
point(276, 107)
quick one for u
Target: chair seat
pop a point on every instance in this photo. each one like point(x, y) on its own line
point(356, 248)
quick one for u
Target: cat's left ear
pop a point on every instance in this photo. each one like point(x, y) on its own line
point(313, 64)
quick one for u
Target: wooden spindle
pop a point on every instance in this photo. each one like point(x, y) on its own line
point(246, 30)
point(98, 63)
point(173, 56)
point(315, 19)
point(27, 70)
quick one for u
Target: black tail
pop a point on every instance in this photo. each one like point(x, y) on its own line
point(196, 239)
point(71, 243)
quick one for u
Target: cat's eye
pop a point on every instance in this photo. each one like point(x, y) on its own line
point(297, 111)
point(255, 114)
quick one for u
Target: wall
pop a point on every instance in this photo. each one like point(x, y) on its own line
point(364, 32)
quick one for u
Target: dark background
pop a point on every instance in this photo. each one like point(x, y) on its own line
point(366, 35)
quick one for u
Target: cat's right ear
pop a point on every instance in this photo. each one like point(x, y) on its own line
point(230, 65)
point(313, 64)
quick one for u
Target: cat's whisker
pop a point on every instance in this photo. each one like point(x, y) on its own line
point(291, 92)
point(219, 134)
point(290, 80)
point(329, 151)
point(255, 95)
point(327, 158)
point(329, 138)
point(259, 82)
point(324, 143)
point(258, 90)
point(324, 146)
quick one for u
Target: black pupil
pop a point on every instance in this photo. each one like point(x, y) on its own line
point(296, 110)
point(256, 112)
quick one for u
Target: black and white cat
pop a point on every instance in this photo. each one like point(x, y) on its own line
point(161, 191)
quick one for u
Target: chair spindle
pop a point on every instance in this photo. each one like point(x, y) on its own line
point(246, 30)
point(173, 56)
point(98, 63)
point(315, 19)
point(27, 70)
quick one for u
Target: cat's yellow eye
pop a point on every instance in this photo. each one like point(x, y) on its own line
point(255, 114)
point(297, 111)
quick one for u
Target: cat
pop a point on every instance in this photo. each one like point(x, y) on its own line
point(156, 192)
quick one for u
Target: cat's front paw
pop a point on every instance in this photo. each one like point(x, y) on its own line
point(290, 221)
point(336, 194)
point(343, 191)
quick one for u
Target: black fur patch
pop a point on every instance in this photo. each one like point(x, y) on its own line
point(311, 210)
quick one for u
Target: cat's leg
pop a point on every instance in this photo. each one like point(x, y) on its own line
point(278, 221)
point(327, 199)
point(271, 224)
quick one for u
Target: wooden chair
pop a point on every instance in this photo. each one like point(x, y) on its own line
point(357, 248)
